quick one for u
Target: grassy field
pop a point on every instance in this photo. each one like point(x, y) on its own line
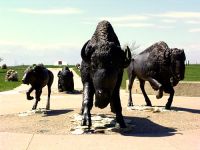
point(192, 73)
point(7, 85)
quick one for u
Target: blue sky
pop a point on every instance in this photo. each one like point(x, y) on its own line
point(45, 31)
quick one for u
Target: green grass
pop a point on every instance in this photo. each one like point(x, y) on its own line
point(8, 85)
point(77, 71)
point(192, 73)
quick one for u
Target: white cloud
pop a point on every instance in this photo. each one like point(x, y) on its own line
point(58, 11)
point(193, 22)
point(194, 30)
point(125, 18)
point(164, 27)
point(134, 25)
point(168, 21)
point(178, 14)
point(15, 53)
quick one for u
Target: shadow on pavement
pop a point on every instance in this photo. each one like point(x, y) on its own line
point(195, 111)
point(57, 112)
point(144, 127)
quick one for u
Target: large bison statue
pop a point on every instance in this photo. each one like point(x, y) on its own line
point(103, 62)
point(161, 66)
point(38, 77)
point(65, 80)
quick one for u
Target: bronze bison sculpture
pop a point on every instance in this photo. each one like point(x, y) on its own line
point(38, 77)
point(65, 80)
point(103, 62)
point(161, 66)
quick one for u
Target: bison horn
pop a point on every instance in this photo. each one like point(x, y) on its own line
point(87, 51)
point(83, 55)
point(127, 57)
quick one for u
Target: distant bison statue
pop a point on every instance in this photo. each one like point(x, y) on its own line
point(4, 66)
point(11, 75)
point(65, 80)
point(38, 76)
point(161, 66)
point(103, 62)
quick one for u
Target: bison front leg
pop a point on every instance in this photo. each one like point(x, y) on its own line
point(48, 99)
point(28, 96)
point(117, 109)
point(154, 83)
point(147, 100)
point(169, 103)
point(88, 92)
point(38, 93)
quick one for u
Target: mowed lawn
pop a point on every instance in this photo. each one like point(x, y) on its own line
point(192, 73)
point(8, 85)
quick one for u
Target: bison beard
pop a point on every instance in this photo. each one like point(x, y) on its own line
point(102, 66)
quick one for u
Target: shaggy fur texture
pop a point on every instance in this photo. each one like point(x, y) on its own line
point(101, 72)
point(161, 66)
point(65, 80)
point(38, 77)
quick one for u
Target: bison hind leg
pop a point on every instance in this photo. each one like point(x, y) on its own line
point(29, 97)
point(160, 94)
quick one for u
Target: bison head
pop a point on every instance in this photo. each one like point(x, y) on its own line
point(29, 76)
point(178, 64)
point(107, 61)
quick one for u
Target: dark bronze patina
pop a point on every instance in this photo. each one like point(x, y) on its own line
point(103, 62)
point(161, 66)
point(38, 77)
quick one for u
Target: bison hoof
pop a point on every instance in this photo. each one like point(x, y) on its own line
point(86, 121)
point(168, 107)
point(130, 104)
point(34, 108)
point(159, 95)
point(30, 97)
point(149, 104)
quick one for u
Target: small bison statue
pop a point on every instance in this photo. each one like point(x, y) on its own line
point(11, 75)
point(4, 66)
point(103, 62)
point(65, 80)
point(161, 66)
point(38, 77)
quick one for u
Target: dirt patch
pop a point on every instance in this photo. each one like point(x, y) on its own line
point(141, 122)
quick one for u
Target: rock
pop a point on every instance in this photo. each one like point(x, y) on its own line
point(102, 124)
point(96, 118)
point(78, 131)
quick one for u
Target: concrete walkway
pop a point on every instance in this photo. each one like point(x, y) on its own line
point(12, 102)
point(14, 141)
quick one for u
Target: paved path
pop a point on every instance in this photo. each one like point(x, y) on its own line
point(12, 102)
